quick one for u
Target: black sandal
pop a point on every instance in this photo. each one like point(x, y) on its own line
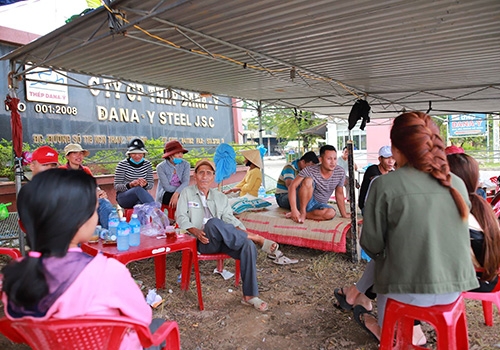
point(359, 311)
point(342, 303)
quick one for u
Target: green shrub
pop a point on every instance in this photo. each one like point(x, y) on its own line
point(7, 159)
point(103, 162)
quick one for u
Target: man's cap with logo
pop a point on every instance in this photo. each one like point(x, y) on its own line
point(385, 151)
point(204, 161)
point(75, 147)
point(45, 155)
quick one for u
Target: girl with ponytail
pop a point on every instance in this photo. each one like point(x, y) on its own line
point(57, 280)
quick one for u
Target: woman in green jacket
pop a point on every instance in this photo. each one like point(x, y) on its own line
point(415, 224)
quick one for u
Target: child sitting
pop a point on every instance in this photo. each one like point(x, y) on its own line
point(57, 280)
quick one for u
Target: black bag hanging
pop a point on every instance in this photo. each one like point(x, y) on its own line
point(360, 110)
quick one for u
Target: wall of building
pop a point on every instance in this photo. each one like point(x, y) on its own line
point(103, 114)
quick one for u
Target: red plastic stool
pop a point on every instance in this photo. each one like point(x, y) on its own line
point(128, 213)
point(220, 257)
point(12, 252)
point(170, 211)
point(488, 299)
point(449, 321)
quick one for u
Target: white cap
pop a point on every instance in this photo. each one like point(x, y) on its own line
point(385, 151)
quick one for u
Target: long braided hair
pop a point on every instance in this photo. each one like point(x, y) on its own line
point(416, 136)
point(467, 168)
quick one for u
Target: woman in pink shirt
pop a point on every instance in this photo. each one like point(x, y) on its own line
point(56, 279)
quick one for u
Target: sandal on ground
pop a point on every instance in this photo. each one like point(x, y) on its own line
point(342, 300)
point(268, 245)
point(283, 260)
point(257, 303)
point(276, 254)
point(359, 311)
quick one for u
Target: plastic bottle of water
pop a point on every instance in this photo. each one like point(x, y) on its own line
point(122, 235)
point(113, 222)
point(262, 192)
point(135, 231)
point(105, 236)
point(97, 231)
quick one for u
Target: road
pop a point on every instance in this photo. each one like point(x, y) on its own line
point(274, 165)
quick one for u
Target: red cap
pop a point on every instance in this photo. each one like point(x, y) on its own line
point(45, 155)
point(453, 150)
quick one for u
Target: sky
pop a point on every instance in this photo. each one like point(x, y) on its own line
point(39, 16)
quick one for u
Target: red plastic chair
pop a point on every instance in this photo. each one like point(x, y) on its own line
point(128, 214)
point(494, 179)
point(170, 211)
point(220, 257)
point(487, 299)
point(449, 321)
point(12, 252)
point(82, 333)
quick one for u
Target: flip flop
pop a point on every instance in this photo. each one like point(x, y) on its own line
point(276, 254)
point(359, 311)
point(342, 300)
point(267, 246)
point(283, 260)
point(257, 303)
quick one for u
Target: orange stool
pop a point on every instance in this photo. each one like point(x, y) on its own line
point(220, 257)
point(170, 211)
point(449, 321)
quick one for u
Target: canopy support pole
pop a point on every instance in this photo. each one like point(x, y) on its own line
point(259, 114)
point(18, 159)
point(355, 248)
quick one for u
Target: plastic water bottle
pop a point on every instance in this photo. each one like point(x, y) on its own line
point(97, 231)
point(105, 236)
point(113, 222)
point(122, 235)
point(262, 192)
point(135, 231)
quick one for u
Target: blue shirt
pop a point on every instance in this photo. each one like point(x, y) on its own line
point(289, 172)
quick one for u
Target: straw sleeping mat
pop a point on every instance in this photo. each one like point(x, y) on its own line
point(271, 223)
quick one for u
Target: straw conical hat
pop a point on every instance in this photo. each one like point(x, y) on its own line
point(253, 155)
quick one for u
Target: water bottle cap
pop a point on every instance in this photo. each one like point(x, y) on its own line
point(134, 216)
point(98, 226)
point(123, 219)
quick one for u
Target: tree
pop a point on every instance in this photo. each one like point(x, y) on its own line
point(287, 124)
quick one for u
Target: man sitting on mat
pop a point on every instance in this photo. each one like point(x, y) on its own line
point(310, 191)
point(206, 214)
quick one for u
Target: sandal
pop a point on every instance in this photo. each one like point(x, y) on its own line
point(257, 303)
point(283, 260)
point(359, 311)
point(276, 254)
point(342, 303)
point(267, 247)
